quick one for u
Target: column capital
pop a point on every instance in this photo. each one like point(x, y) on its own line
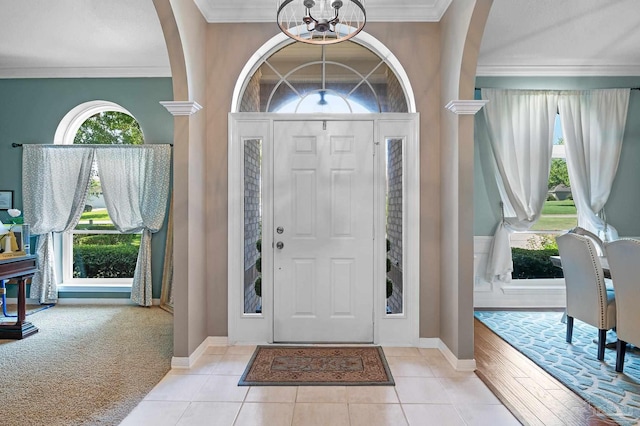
point(181, 107)
point(465, 107)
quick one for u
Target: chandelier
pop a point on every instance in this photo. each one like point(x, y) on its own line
point(321, 21)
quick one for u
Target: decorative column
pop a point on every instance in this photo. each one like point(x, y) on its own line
point(457, 162)
point(189, 238)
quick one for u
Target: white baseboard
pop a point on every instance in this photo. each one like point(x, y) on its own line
point(429, 343)
point(534, 293)
point(187, 362)
point(83, 301)
point(217, 341)
point(457, 364)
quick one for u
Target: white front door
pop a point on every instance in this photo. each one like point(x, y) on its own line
point(323, 222)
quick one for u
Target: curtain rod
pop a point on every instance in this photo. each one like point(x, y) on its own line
point(19, 145)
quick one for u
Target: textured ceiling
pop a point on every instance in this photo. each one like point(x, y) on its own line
point(120, 38)
point(550, 37)
point(81, 38)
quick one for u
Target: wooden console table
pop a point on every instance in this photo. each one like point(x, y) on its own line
point(21, 269)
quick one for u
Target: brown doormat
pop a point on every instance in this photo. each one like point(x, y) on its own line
point(317, 366)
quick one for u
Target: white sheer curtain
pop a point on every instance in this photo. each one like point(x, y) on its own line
point(593, 123)
point(55, 185)
point(135, 184)
point(520, 129)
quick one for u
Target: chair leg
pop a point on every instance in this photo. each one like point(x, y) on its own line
point(602, 340)
point(569, 328)
point(621, 349)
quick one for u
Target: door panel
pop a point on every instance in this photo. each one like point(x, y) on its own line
point(323, 201)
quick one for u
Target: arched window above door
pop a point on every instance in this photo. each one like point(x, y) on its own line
point(342, 78)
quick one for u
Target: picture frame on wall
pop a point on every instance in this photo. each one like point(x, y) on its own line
point(6, 199)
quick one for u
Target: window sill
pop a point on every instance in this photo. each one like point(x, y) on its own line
point(94, 288)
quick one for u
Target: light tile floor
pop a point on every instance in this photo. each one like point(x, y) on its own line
point(428, 391)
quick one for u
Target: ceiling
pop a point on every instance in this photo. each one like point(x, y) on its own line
point(377, 10)
point(81, 38)
point(569, 37)
point(123, 38)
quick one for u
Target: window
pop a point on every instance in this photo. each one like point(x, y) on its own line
point(96, 256)
point(342, 78)
point(559, 212)
point(558, 215)
point(394, 221)
point(301, 79)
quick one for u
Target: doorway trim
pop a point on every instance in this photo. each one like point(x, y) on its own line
point(397, 329)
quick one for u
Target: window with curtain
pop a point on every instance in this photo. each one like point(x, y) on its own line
point(95, 253)
point(520, 131)
point(558, 216)
point(559, 210)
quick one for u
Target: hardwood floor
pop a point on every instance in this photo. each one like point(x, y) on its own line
point(532, 395)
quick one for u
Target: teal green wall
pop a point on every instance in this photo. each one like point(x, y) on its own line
point(31, 109)
point(624, 201)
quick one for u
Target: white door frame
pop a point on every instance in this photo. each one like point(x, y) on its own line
point(397, 329)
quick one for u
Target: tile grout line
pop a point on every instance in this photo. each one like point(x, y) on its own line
point(244, 399)
point(183, 413)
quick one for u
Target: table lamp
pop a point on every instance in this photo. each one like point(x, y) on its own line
point(6, 241)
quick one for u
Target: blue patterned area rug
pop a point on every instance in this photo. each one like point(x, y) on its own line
point(540, 336)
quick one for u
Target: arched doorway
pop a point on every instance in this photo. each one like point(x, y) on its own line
point(326, 196)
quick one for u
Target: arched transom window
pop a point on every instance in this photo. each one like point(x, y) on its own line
point(342, 78)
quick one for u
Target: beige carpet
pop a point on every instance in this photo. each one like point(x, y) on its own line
point(87, 365)
point(12, 311)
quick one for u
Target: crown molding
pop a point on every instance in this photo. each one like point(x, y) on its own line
point(180, 108)
point(557, 70)
point(465, 107)
point(410, 12)
point(225, 11)
point(85, 72)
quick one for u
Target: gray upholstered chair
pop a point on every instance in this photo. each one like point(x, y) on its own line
point(587, 296)
point(624, 263)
